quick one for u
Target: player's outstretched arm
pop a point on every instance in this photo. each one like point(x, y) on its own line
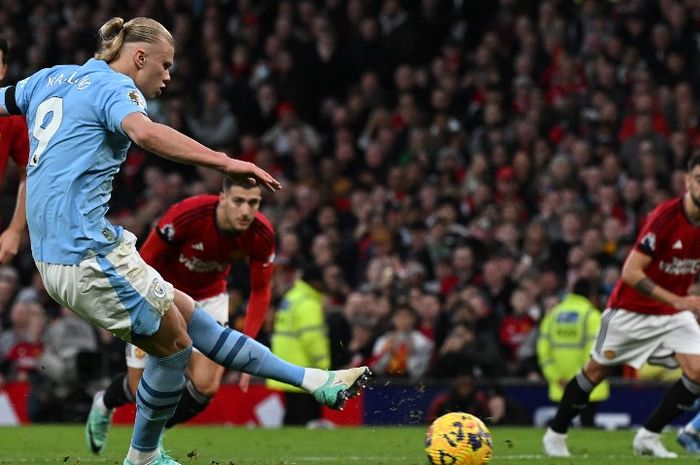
point(173, 145)
point(12, 236)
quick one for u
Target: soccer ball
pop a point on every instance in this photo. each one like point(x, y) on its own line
point(458, 439)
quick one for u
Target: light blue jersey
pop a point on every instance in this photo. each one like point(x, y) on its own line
point(77, 144)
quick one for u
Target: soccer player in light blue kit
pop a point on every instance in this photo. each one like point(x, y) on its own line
point(81, 121)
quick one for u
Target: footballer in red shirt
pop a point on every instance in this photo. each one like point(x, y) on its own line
point(192, 247)
point(650, 317)
point(669, 243)
point(14, 143)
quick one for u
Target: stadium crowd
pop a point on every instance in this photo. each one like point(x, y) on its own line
point(452, 166)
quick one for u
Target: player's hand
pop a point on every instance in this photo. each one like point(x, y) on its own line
point(244, 382)
point(689, 302)
point(253, 173)
point(9, 245)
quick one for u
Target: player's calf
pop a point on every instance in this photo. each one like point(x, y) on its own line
point(192, 403)
point(118, 392)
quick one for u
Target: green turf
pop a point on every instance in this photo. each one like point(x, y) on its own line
point(354, 446)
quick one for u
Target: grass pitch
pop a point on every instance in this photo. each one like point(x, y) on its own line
point(39, 445)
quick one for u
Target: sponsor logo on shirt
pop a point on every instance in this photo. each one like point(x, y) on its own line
point(680, 266)
point(198, 246)
point(677, 245)
point(201, 266)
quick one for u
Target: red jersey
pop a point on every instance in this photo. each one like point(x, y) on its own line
point(14, 141)
point(671, 240)
point(192, 254)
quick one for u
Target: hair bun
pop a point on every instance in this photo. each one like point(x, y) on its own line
point(111, 28)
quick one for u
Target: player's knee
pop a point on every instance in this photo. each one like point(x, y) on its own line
point(208, 388)
point(692, 372)
point(182, 341)
point(595, 372)
point(173, 333)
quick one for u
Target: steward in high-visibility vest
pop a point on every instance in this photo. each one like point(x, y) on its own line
point(567, 334)
point(300, 335)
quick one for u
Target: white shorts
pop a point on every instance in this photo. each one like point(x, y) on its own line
point(216, 306)
point(118, 292)
point(633, 338)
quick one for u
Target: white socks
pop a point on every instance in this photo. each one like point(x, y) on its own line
point(142, 458)
point(313, 379)
point(100, 404)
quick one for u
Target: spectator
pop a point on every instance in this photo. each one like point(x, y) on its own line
point(486, 403)
point(61, 390)
point(21, 346)
point(289, 130)
point(515, 328)
point(214, 125)
point(403, 351)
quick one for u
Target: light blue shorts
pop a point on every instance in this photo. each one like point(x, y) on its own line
point(118, 292)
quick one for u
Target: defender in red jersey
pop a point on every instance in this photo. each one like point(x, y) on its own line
point(14, 143)
point(193, 247)
point(650, 316)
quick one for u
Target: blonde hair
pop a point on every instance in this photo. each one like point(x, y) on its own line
point(115, 33)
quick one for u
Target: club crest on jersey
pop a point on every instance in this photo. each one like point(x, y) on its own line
point(649, 241)
point(136, 99)
point(158, 289)
point(609, 354)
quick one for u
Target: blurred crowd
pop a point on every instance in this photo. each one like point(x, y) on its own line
point(453, 166)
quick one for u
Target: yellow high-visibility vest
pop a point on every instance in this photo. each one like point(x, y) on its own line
point(300, 335)
point(564, 345)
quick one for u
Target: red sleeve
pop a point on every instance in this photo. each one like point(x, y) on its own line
point(649, 237)
point(20, 142)
point(262, 259)
point(259, 299)
point(154, 250)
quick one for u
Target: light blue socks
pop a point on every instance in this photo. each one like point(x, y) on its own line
point(234, 350)
point(157, 396)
